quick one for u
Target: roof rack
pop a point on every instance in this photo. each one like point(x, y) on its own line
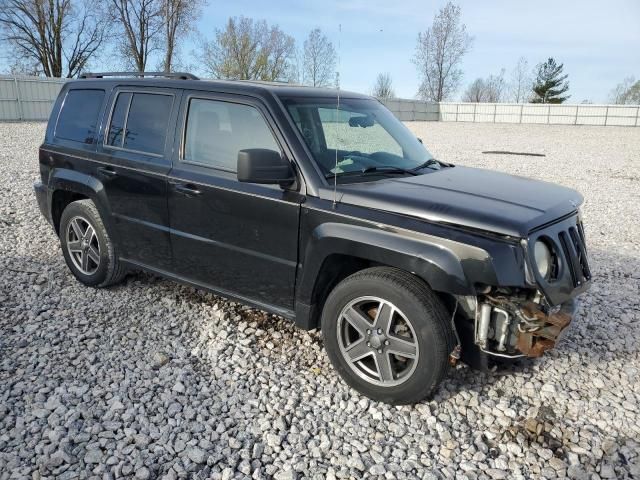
point(178, 75)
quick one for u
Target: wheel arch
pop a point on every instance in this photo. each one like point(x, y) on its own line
point(335, 251)
point(66, 186)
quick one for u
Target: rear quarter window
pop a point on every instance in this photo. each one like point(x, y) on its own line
point(78, 118)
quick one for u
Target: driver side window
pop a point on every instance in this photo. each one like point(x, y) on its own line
point(339, 134)
point(217, 130)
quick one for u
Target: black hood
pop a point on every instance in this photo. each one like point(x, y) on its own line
point(471, 197)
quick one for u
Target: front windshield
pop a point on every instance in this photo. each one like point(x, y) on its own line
point(366, 137)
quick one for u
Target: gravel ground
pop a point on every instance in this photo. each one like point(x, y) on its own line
point(151, 379)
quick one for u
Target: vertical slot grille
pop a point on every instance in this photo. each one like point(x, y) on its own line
point(581, 232)
point(575, 254)
point(578, 242)
point(564, 241)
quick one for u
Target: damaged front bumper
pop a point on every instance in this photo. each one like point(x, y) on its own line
point(507, 328)
point(513, 328)
point(547, 329)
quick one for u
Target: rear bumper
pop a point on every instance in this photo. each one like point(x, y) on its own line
point(42, 196)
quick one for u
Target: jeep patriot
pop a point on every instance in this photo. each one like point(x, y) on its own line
point(317, 205)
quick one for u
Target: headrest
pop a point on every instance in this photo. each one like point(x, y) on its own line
point(209, 121)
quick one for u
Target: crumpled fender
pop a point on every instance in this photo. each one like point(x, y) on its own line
point(444, 264)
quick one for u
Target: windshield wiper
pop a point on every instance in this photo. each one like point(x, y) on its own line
point(373, 171)
point(389, 169)
point(428, 163)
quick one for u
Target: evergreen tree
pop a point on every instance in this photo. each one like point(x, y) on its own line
point(550, 83)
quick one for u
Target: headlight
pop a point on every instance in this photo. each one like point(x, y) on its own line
point(543, 258)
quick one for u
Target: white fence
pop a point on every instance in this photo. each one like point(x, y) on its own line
point(31, 98)
point(27, 98)
point(584, 114)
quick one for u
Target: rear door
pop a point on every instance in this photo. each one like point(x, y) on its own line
point(136, 153)
point(240, 239)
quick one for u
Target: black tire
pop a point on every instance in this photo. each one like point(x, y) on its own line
point(109, 270)
point(425, 312)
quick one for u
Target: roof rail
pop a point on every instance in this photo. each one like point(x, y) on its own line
point(178, 75)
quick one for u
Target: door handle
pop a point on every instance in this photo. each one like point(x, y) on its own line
point(187, 189)
point(107, 171)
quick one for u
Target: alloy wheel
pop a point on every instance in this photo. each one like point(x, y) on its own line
point(83, 245)
point(377, 341)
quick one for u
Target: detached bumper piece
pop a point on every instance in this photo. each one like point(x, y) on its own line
point(509, 329)
point(545, 329)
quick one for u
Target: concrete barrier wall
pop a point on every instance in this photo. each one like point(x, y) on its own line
point(27, 98)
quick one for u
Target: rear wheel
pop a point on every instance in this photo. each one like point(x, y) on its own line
point(86, 246)
point(388, 335)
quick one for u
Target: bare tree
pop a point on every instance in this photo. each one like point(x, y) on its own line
point(319, 60)
point(496, 87)
point(178, 17)
point(250, 50)
point(439, 53)
point(489, 90)
point(475, 92)
point(141, 22)
point(24, 66)
point(383, 88)
point(626, 93)
point(521, 82)
point(57, 38)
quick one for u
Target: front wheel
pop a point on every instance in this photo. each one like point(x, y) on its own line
point(388, 335)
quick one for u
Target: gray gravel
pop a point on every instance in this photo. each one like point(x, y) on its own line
point(150, 379)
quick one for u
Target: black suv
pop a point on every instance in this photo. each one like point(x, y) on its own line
point(319, 206)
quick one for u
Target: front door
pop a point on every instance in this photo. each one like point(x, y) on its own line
point(240, 239)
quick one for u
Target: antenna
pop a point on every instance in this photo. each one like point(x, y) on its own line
point(335, 170)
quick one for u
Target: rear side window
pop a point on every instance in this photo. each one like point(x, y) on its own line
point(78, 119)
point(119, 115)
point(217, 130)
point(139, 122)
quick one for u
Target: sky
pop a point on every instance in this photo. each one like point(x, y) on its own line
point(598, 42)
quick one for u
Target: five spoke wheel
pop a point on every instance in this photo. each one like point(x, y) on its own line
point(83, 245)
point(377, 341)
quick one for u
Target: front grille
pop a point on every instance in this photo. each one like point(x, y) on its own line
point(575, 254)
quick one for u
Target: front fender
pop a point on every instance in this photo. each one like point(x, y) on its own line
point(445, 265)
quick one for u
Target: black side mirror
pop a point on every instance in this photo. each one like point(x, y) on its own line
point(419, 139)
point(260, 165)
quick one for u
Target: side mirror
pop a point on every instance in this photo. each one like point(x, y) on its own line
point(260, 165)
point(419, 139)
